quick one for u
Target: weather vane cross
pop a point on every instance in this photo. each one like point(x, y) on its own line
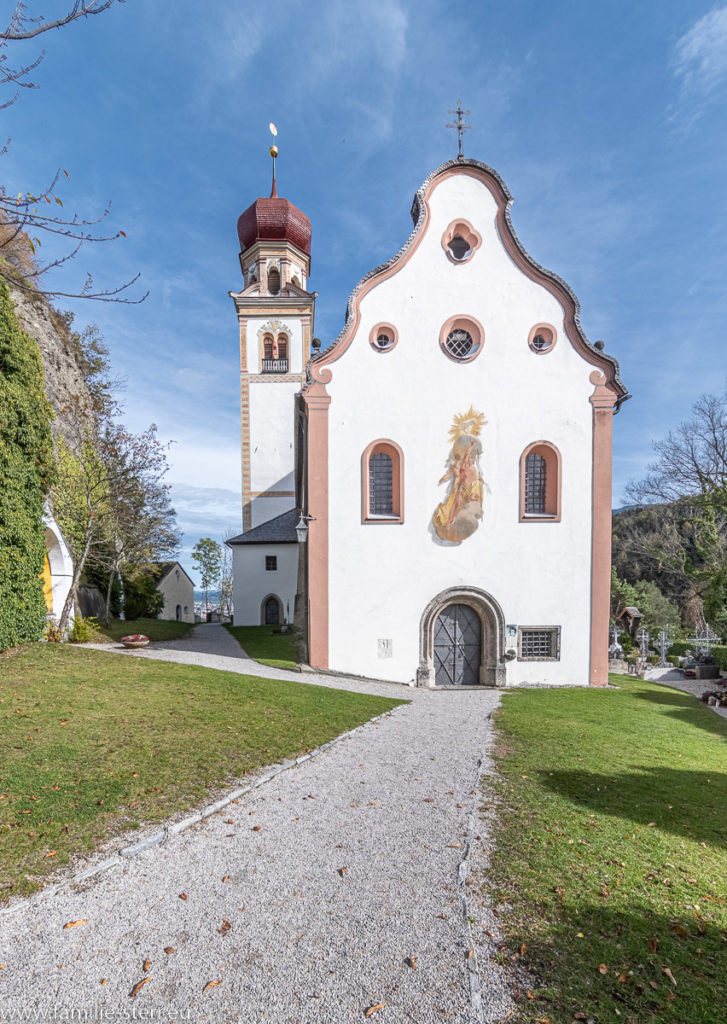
point(460, 127)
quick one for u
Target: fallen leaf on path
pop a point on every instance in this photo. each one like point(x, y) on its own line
point(453, 846)
point(342, 871)
point(147, 965)
point(374, 1009)
point(225, 878)
point(75, 924)
point(52, 853)
point(182, 895)
point(257, 828)
point(138, 987)
point(169, 949)
point(229, 821)
point(470, 953)
point(211, 984)
point(225, 926)
point(530, 995)
point(104, 981)
point(412, 963)
point(428, 800)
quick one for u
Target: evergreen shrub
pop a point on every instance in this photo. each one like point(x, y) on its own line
point(26, 468)
point(85, 631)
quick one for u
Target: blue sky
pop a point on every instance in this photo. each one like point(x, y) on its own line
point(607, 122)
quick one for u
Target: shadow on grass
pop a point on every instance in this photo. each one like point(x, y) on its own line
point(634, 946)
point(685, 803)
point(687, 708)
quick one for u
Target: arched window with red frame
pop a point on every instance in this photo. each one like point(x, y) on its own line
point(540, 483)
point(382, 483)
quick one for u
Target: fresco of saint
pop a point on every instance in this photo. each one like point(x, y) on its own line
point(458, 516)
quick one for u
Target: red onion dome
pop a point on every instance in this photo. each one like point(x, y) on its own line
point(274, 219)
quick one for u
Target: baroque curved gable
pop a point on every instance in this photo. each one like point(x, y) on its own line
point(318, 366)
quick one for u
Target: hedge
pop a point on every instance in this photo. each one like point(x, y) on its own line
point(719, 653)
point(26, 468)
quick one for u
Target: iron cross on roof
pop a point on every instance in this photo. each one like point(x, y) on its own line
point(460, 127)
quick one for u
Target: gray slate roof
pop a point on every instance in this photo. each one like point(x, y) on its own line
point(280, 530)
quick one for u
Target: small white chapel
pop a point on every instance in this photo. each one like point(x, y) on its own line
point(427, 497)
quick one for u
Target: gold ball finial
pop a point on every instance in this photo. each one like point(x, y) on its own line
point(273, 151)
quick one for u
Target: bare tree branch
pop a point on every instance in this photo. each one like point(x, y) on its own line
point(16, 29)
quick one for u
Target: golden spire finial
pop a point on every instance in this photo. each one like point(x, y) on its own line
point(273, 154)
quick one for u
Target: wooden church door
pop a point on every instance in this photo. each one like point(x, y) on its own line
point(457, 646)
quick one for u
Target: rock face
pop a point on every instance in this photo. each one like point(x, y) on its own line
point(64, 381)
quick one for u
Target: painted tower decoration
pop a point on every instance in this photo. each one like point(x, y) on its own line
point(497, 575)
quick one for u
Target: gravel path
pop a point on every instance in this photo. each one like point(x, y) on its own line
point(304, 901)
point(210, 645)
point(694, 686)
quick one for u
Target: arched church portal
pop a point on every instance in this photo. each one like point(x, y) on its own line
point(462, 640)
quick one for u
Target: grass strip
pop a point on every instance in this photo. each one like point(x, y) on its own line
point(93, 743)
point(277, 649)
point(611, 855)
point(155, 629)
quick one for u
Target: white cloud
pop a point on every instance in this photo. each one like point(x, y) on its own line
point(700, 64)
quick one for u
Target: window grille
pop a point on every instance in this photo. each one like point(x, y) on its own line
point(381, 485)
point(540, 644)
point(271, 563)
point(534, 484)
point(267, 348)
point(459, 343)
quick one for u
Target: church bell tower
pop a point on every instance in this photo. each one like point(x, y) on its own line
point(275, 316)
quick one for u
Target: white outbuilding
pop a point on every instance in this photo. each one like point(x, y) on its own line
point(447, 458)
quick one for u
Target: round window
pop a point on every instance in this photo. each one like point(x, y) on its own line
point(461, 338)
point(542, 338)
point(383, 337)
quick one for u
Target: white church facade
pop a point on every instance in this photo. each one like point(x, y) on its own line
point(449, 453)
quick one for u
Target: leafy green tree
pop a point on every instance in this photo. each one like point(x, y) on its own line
point(142, 600)
point(207, 558)
point(26, 470)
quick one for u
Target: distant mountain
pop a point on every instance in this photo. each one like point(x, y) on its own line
point(212, 595)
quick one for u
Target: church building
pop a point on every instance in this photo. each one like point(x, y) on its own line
point(429, 495)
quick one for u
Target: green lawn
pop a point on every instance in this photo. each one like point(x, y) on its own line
point(277, 649)
point(611, 849)
point(155, 629)
point(91, 742)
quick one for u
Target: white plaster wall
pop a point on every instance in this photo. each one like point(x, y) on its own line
point(252, 583)
point(382, 576)
point(177, 590)
point(293, 328)
point(272, 451)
